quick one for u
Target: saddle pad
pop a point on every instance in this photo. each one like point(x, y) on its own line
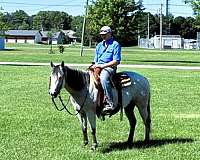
point(126, 82)
point(123, 79)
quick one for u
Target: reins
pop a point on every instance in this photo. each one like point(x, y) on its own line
point(65, 106)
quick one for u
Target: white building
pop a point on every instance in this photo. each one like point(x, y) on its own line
point(198, 40)
point(20, 36)
point(190, 44)
point(168, 41)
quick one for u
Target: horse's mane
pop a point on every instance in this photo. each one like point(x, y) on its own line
point(76, 79)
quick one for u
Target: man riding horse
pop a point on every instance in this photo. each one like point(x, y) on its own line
point(85, 95)
point(107, 57)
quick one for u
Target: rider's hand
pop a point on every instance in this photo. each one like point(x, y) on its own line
point(98, 66)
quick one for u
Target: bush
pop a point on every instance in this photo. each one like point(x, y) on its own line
point(61, 48)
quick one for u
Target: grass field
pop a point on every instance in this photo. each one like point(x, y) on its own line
point(132, 55)
point(30, 128)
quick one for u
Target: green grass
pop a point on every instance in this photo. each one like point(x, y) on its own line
point(30, 128)
point(130, 55)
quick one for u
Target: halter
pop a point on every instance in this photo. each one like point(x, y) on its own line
point(65, 106)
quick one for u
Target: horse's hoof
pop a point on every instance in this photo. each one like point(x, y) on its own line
point(103, 117)
point(146, 141)
point(94, 147)
point(85, 143)
point(129, 144)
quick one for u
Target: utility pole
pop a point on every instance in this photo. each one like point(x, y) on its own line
point(138, 35)
point(167, 16)
point(167, 8)
point(148, 31)
point(1, 8)
point(83, 29)
point(161, 26)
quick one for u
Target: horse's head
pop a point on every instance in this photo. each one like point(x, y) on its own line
point(56, 80)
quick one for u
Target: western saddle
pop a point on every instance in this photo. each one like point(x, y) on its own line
point(118, 81)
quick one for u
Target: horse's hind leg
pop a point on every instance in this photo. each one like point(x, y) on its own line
point(132, 121)
point(144, 110)
point(83, 121)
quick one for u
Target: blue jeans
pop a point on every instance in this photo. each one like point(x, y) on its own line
point(105, 76)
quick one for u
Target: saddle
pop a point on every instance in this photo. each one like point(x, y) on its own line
point(118, 81)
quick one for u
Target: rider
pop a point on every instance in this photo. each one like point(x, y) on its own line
point(107, 57)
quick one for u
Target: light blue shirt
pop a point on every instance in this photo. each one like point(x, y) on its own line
point(105, 54)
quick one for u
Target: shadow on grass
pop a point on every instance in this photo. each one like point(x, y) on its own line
point(22, 65)
point(142, 145)
point(164, 61)
point(11, 49)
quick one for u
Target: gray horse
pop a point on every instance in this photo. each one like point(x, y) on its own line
point(83, 92)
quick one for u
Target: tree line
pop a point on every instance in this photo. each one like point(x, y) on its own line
point(127, 18)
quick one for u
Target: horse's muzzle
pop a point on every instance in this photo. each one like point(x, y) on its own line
point(53, 95)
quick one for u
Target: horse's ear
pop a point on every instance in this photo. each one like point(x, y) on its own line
point(62, 64)
point(52, 65)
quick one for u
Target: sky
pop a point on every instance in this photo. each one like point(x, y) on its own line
point(76, 7)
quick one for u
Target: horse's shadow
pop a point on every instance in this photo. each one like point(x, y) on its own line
point(142, 145)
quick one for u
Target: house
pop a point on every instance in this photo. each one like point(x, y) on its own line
point(20, 36)
point(44, 38)
point(41, 37)
point(35, 36)
point(58, 38)
point(70, 36)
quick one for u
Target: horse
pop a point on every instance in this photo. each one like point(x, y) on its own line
point(83, 92)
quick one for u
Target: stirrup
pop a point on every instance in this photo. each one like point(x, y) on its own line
point(107, 110)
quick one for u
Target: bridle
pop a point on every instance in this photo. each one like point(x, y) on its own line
point(64, 107)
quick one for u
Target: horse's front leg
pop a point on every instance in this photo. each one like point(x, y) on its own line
point(92, 120)
point(83, 121)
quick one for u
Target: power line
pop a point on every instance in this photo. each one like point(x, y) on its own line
point(42, 4)
point(173, 8)
point(71, 6)
point(157, 4)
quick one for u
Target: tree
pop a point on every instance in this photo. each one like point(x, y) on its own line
point(185, 27)
point(76, 25)
point(3, 25)
point(50, 35)
point(19, 19)
point(143, 25)
point(120, 15)
point(195, 4)
point(52, 20)
point(178, 26)
point(190, 28)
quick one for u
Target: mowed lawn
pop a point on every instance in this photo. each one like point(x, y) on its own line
point(30, 128)
point(130, 55)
